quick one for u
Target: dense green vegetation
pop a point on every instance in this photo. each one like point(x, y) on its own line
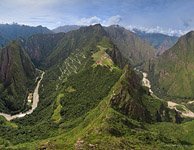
point(17, 74)
point(104, 127)
point(88, 102)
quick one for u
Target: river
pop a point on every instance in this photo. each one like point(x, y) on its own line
point(172, 105)
point(34, 103)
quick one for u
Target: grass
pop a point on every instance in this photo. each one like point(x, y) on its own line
point(102, 58)
point(181, 108)
point(70, 89)
point(56, 117)
point(4, 122)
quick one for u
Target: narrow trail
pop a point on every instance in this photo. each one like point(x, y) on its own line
point(34, 103)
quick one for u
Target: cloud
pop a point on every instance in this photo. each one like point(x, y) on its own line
point(157, 29)
point(113, 20)
point(94, 20)
point(89, 21)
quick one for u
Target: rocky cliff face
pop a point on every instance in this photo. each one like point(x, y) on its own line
point(16, 71)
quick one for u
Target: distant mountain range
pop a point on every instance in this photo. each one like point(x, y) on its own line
point(66, 28)
point(9, 32)
point(160, 42)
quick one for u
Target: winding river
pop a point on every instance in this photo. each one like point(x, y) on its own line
point(34, 103)
point(172, 105)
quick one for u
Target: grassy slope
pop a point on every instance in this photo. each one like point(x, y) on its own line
point(174, 69)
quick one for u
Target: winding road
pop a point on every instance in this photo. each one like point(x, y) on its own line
point(34, 103)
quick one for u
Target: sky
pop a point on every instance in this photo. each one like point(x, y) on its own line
point(165, 16)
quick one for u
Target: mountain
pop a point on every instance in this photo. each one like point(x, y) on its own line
point(39, 46)
point(9, 32)
point(160, 42)
point(172, 72)
point(16, 72)
point(66, 28)
point(91, 98)
point(2, 41)
point(132, 48)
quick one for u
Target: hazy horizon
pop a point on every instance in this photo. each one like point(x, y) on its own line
point(163, 16)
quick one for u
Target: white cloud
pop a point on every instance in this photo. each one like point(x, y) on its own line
point(94, 20)
point(158, 29)
point(113, 20)
point(89, 21)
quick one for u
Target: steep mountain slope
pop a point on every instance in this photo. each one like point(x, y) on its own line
point(66, 28)
point(88, 102)
point(107, 123)
point(16, 72)
point(39, 46)
point(2, 41)
point(132, 48)
point(173, 71)
point(10, 32)
point(160, 42)
point(86, 38)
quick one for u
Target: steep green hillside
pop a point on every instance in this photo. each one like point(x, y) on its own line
point(86, 38)
point(132, 48)
point(39, 46)
point(16, 74)
point(173, 71)
point(90, 98)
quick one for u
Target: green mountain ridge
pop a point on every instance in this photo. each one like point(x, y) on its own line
point(39, 46)
point(91, 98)
point(132, 48)
point(172, 72)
